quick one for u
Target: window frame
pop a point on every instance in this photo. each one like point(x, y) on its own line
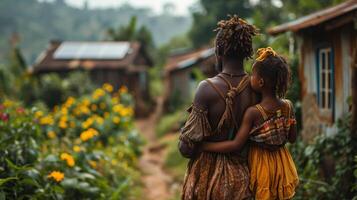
point(329, 86)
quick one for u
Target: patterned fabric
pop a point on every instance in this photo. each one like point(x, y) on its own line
point(212, 176)
point(275, 130)
point(273, 174)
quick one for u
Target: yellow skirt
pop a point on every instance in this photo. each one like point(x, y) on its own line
point(272, 173)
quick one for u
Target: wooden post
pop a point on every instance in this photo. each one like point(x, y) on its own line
point(354, 95)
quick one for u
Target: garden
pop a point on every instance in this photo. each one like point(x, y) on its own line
point(84, 148)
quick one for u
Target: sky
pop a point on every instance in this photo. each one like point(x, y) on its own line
point(181, 6)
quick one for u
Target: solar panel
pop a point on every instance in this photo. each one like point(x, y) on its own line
point(92, 50)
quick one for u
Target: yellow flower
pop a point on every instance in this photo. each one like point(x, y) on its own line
point(76, 148)
point(88, 134)
point(51, 134)
point(85, 102)
point(63, 124)
point(126, 112)
point(94, 107)
point(107, 87)
point(84, 109)
point(115, 100)
point(56, 175)
point(123, 89)
point(38, 114)
point(64, 111)
point(86, 124)
point(99, 120)
point(98, 93)
point(117, 108)
point(114, 162)
point(116, 120)
point(70, 101)
point(8, 103)
point(68, 158)
point(47, 120)
point(92, 163)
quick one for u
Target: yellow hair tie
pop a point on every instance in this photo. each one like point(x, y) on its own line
point(263, 53)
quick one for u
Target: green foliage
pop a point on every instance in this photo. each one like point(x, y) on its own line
point(156, 82)
point(206, 17)
point(355, 179)
point(304, 7)
point(124, 33)
point(170, 122)
point(86, 148)
point(20, 139)
point(294, 91)
point(317, 180)
point(175, 163)
point(53, 90)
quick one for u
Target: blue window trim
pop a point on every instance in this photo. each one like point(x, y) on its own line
point(332, 61)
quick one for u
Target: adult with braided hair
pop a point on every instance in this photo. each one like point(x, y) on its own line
point(216, 115)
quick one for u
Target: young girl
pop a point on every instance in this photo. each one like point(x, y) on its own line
point(268, 125)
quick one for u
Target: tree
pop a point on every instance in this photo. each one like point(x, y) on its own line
point(205, 19)
point(124, 33)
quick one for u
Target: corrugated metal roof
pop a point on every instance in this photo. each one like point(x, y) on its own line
point(188, 59)
point(315, 18)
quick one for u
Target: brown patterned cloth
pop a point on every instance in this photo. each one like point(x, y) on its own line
point(212, 176)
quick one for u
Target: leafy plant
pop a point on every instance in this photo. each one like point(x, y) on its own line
point(325, 167)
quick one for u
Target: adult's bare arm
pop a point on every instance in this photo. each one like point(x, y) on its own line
point(188, 148)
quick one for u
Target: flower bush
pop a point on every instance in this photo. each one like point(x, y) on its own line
point(86, 147)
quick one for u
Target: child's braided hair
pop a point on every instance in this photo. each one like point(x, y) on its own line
point(274, 69)
point(234, 37)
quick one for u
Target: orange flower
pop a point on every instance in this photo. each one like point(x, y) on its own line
point(68, 158)
point(56, 175)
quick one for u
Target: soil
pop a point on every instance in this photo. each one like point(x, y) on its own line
point(157, 182)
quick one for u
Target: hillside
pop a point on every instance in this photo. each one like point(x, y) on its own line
point(37, 23)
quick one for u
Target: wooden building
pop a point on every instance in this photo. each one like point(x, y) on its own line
point(181, 74)
point(327, 42)
point(117, 63)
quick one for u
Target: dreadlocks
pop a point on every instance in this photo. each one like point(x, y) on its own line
point(234, 37)
point(274, 69)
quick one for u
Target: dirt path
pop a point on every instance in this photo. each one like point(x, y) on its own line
point(155, 179)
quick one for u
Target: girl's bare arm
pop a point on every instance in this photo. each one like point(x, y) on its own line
point(239, 140)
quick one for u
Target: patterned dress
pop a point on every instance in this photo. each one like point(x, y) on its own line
point(214, 176)
point(272, 173)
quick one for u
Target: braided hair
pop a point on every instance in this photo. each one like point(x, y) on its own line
point(274, 69)
point(234, 37)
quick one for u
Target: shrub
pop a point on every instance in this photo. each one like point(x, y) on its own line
point(85, 148)
point(314, 165)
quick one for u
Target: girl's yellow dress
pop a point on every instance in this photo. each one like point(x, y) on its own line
point(272, 173)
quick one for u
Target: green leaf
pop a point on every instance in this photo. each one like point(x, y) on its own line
point(2, 195)
point(4, 180)
point(58, 189)
point(69, 183)
point(51, 158)
point(86, 176)
point(13, 166)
